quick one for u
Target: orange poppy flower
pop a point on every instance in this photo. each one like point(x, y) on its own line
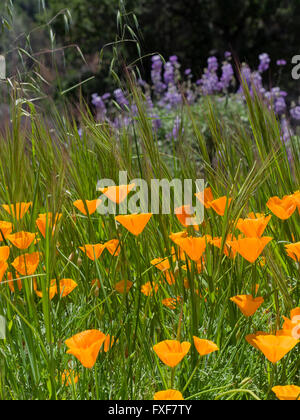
point(161, 264)
point(52, 291)
point(21, 240)
point(147, 289)
point(27, 264)
point(296, 198)
point(108, 343)
point(68, 378)
point(284, 208)
point(93, 251)
point(46, 219)
point(220, 204)
point(274, 347)
point(5, 229)
point(205, 197)
point(228, 251)
point(183, 214)
point(3, 268)
point(123, 286)
point(204, 347)
point(17, 210)
point(250, 248)
point(287, 392)
point(4, 253)
point(113, 246)
point(10, 280)
point(169, 394)
point(171, 303)
point(117, 194)
point(66, 287)
point(293, 251)
point(91, 206)
point(85, 346)
point(134, 223)
point(291, 327)
point(250, 338)
point(193, 247)
point(171, 352)
point(253, 227)
point(247, 303)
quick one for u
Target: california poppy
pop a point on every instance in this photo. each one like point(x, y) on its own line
point(108, 343)
point(287, 392)
point(250, 248)
point(134, 223)
point(193, 247)
point(85, 346)
point(228, 251)
point(68, 378)
point(250, 338)
point(147, 289)
point(171, 352)
point(219, 205)
point(247, 303)
point(17, 210)
point(169, 394)
point(205, 197)
point(91, 206)
point(52, 290)
point(10, 281)
point(274, 347)
point(284, 208)
point(117, 194)
point(27, 264)
point(293, 251)
point(296, 198)
point(184, 214)
point(171, 303)
point(4, 253)
point(253, 227)
point(123, 286)
point(67, 286)
point(46, 220)
point(161, 263)
point(113, 247)
point(3, 268)
point(93, 251)
point(204, 347)
point(5, 229)
point(21, 240)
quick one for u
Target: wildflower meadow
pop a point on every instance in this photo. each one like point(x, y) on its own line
point(190, 294)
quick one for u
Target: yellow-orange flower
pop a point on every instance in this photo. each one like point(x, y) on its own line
point(3, 268)
point(171, 352)
point(17, 210)
point(52, 290)
point(274, 347)
point(147, 289)
point(21, 240)
point(296, 198)
point(68, 378)
point(253, 227)
point(66, 286)
point(247, 303)
point(171, 303)
point(108, 343)
point(113, 246)
point(250, 248)
point(134, 223)
point(5, 229)
point(184, 214)
point(220, 204)
point(46, 220)
point(284, 208)
point(27, 264)
point(169, 394)
point(93, 251)
point(117, 194)
point(205, 197)
point(291, 327)
point(293, 251)
point(85, 346)
point(287, 392)
point(204, 347)
point(90, 205)
point(4, 253)
point(123, 286)
point(193, 247)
